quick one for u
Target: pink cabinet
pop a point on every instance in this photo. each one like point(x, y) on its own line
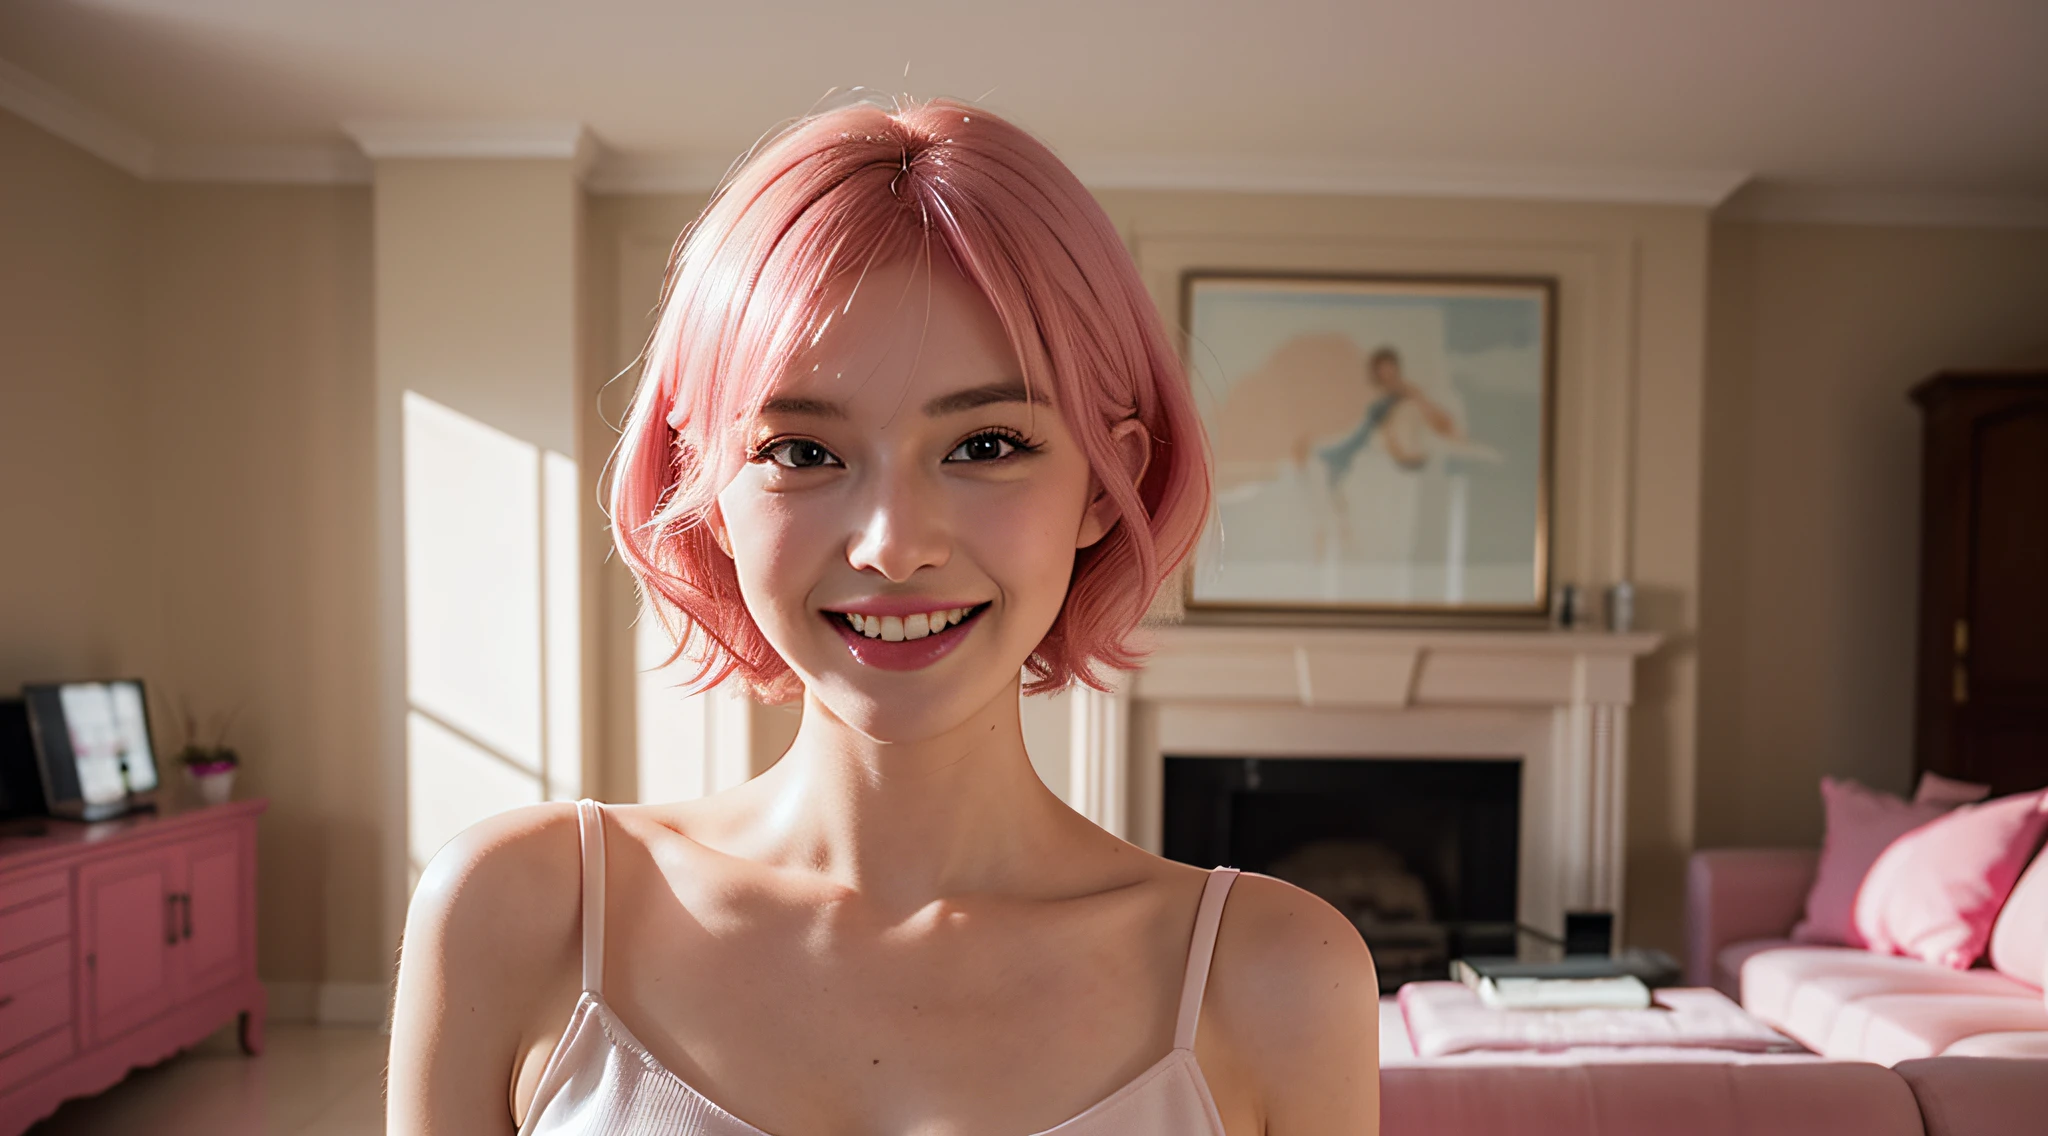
point(121, 943)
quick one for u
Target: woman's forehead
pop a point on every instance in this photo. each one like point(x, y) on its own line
point(905, 333)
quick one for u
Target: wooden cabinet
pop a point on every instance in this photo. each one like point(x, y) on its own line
point(121, 943)
point(128, 929)
point(1982, 687)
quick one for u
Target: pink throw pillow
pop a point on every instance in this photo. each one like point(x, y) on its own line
point(1862, 823)
point(1935, 893)
point(2019, 940)
point(1936, 789)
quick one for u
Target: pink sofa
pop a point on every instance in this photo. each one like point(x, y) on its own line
point(1851, 1004)
point(1943, 1096)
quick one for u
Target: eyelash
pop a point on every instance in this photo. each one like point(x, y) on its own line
point(1018, 442)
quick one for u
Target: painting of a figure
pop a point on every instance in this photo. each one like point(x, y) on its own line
point(1381, 444)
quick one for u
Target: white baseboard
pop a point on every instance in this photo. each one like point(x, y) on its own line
point(329, 1003)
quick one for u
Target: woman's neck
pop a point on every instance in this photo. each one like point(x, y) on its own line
point(906, 822)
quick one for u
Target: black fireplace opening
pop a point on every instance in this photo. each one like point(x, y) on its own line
point(1419, 854)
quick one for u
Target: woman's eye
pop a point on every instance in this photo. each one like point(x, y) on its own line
point(799, 453)
point(983, 448)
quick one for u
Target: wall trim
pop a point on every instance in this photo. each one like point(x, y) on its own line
point(98, 134)
point(1780, 203)
point(626, 174)
point(338, 163)
point(1733, 194)
point(1353, 177)
point(556, 139)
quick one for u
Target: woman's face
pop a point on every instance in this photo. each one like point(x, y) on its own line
point(905, 529)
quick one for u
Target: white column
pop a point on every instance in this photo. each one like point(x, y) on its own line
point(1099, 754)
point(485, 560)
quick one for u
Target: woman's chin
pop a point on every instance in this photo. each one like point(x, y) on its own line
point(903, 711)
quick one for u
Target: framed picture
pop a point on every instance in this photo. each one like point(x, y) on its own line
point(1382, 444)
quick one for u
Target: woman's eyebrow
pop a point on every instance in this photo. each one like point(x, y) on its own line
point(815, 407)
point(1012, 390)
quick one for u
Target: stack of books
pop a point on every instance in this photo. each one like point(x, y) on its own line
point(1576, 982)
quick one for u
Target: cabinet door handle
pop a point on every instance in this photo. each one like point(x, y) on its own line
point(171, 919)
point(185, 902)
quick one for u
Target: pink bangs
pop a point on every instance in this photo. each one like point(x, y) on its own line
point(834, 194)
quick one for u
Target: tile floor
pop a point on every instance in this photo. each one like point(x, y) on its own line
point(309, 1082)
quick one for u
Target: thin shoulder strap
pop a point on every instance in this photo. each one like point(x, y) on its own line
point(590, 830)
point(1201, 949)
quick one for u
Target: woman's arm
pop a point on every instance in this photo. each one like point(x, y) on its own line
point(1299, 998)
point(492, 930)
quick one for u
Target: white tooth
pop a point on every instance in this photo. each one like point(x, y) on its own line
point(955, 615)
point(872, 627)
point(853, 620)
point(917, 626)
point(892, 629)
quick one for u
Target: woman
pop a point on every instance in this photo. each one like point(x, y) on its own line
point(909, 427)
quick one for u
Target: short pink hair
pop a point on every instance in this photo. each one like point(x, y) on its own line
point(866, 184)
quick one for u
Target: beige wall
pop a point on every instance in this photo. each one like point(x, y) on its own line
point(74, 505)
point(1811, 525)
point(186, 447)
point(257, 397)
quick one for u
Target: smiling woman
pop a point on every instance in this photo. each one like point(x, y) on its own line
point(909, 432)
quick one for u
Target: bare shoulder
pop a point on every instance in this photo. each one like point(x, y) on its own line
point(491, 932)
point(1294, 991)
point(512, 881)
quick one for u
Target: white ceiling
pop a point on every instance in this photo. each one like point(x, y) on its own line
point(1906, 98)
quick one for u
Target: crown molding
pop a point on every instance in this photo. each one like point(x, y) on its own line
point(618, 173)
point(559, 140)
point(1780, 203)
point(1732, 194)
point(1256, 174)
point(338, 163)
point(97, 134)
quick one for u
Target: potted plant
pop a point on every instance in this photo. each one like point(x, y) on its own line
point(209, 765)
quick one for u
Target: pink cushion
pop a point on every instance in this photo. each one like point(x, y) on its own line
point(1667, 1099)
point(2022, 1043)
point(1973, 1097)
point(1804, 990)
point(1446, 1018)
point(1728, 964)
point(1938, 790)
point(1936, 891)
point(1891, 1028)
point(2019, 940)
point(1861, 823)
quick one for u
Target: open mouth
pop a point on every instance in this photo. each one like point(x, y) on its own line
point(904, 642)
point(897, 629)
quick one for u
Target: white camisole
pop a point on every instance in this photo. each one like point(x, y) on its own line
point(600, 1081)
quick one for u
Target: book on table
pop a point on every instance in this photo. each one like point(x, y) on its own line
point(1575, 982)
point(1620, 992)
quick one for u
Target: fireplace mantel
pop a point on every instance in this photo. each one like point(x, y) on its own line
point(1556, 700)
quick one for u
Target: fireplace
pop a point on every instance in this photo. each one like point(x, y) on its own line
point(1552, 704)
point(1420, 854)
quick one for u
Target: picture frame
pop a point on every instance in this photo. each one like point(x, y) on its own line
point(1383, 444)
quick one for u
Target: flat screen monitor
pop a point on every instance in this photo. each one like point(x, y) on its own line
point(92, 746)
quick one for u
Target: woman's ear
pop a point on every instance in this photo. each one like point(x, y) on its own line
point(714, 519)
point(1133, 446)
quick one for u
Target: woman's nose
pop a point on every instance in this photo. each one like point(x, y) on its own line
point(902, 528)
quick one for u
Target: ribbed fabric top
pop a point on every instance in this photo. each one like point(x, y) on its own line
point(600, 1081)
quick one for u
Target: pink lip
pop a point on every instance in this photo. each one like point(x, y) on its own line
point(909, 654)
point(900, 605)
